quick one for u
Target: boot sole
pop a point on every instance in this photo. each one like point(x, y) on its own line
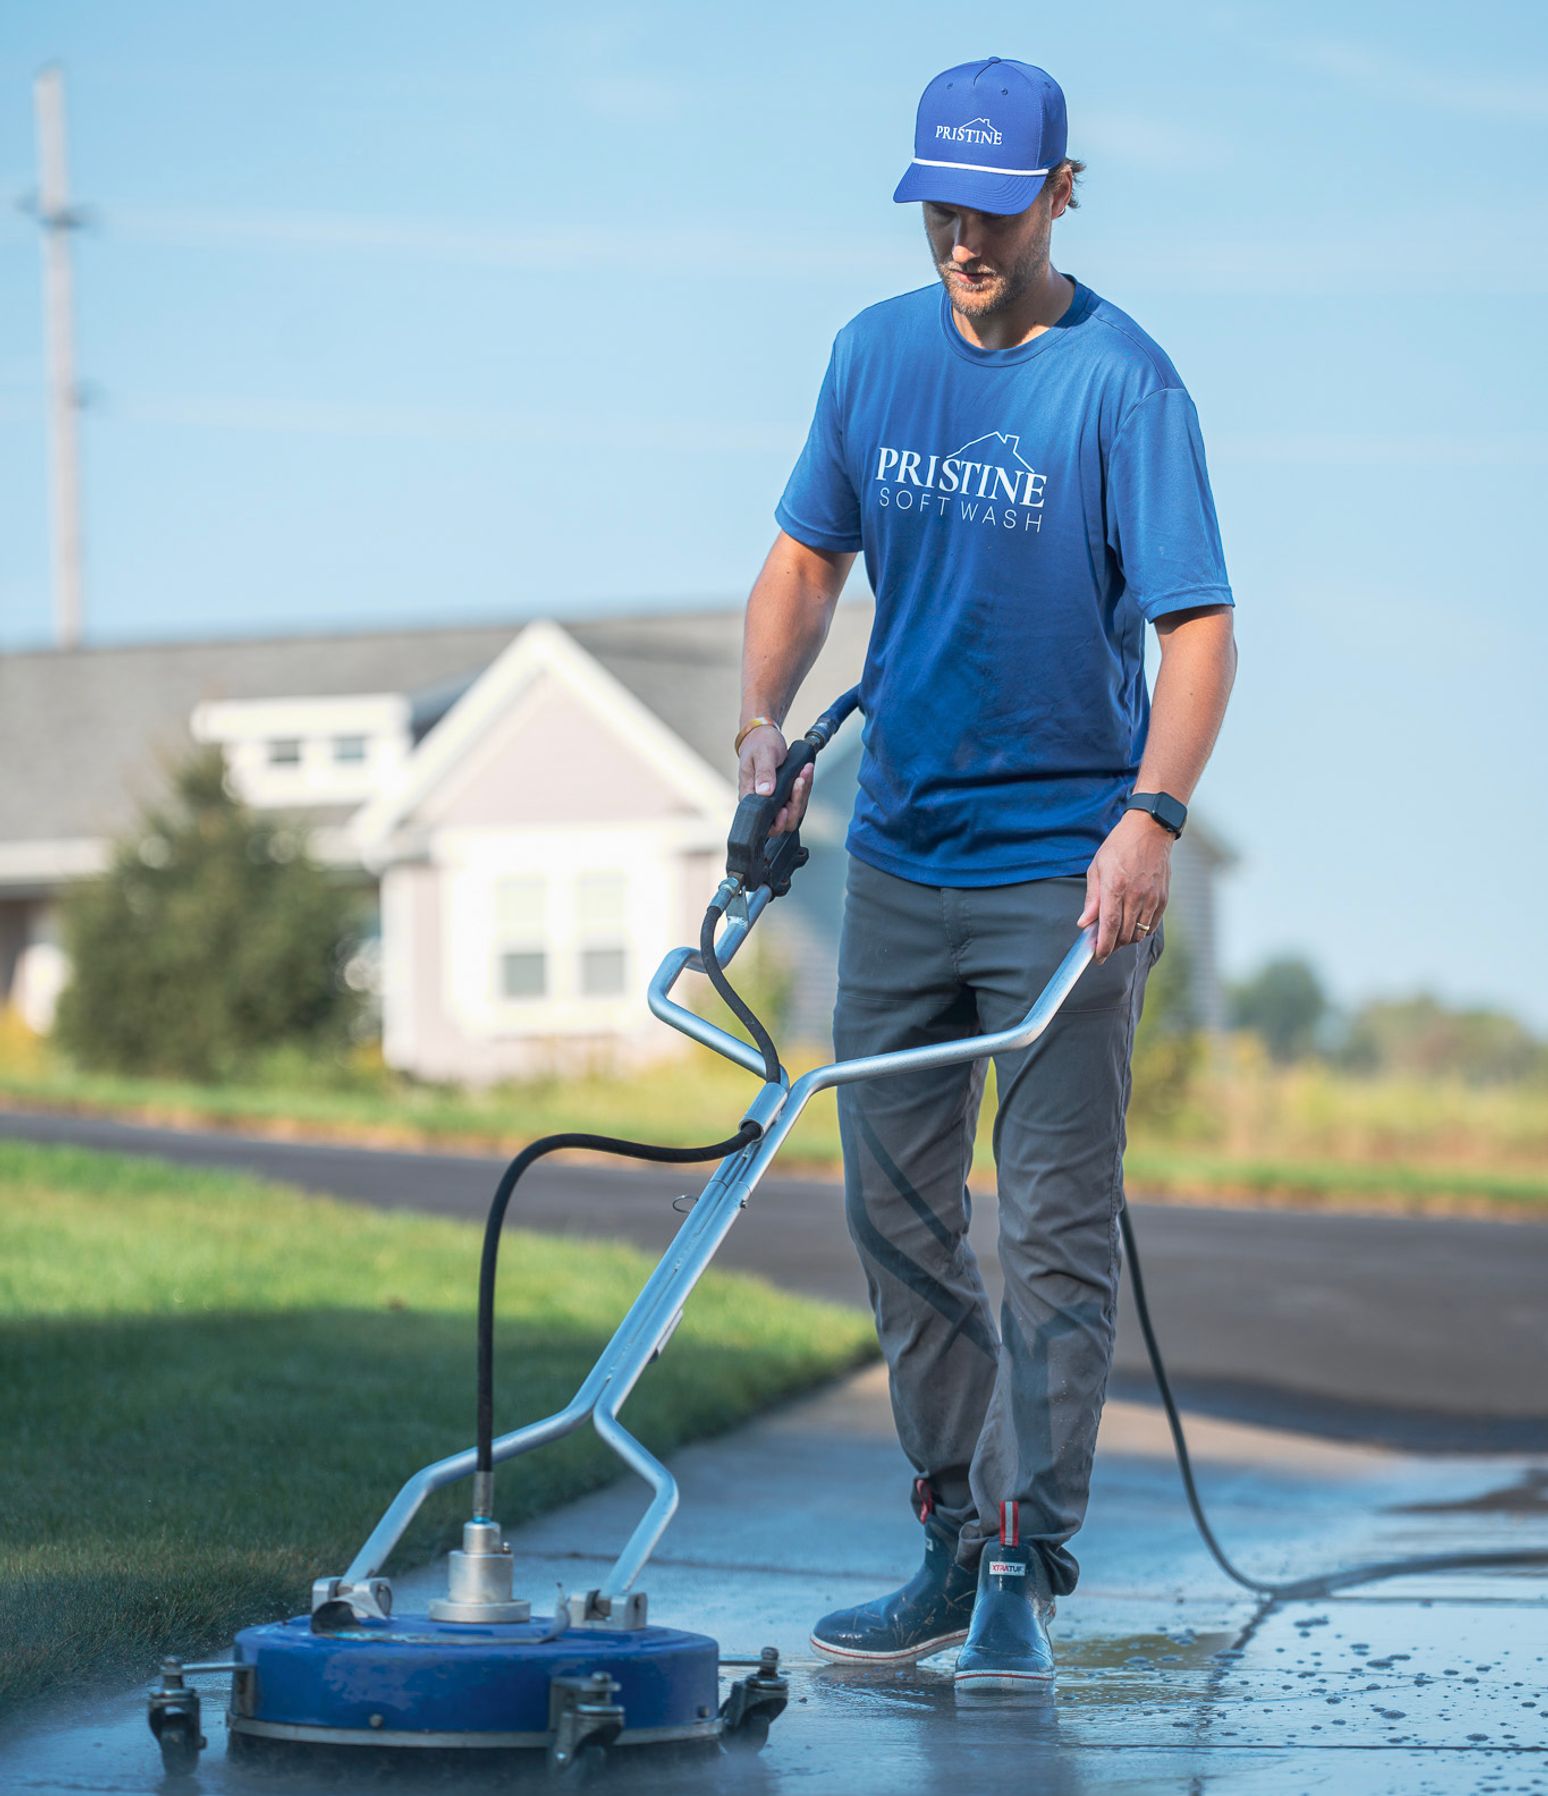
point(1000, 1680)
point(849, 1655)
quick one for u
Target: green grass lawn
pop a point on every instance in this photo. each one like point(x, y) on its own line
point(654, 1103)
point(1335, 1184)
point(210, 1387)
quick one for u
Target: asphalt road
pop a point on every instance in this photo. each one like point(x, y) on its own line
point(1424, 1333)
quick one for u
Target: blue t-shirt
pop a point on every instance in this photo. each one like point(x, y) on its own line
point(1023, 512)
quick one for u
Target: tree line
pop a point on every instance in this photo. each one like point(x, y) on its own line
point(1287, 1006)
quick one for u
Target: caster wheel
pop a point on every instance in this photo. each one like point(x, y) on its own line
point(181, 1743)
point(584, 1766)
point(752, 1735)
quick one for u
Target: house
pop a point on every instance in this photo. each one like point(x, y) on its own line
point(540, 810)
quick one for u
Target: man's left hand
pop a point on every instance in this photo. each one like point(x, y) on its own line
point(1127, 883)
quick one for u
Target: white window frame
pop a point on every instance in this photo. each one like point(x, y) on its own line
point(506, 940)
point(471, 865)
point(600, 938)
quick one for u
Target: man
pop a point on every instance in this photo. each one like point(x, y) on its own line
point(1022, 467)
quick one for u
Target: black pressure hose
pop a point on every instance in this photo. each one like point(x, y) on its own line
point(489, 1264)
point(1324, 1583)
point(734, 1002)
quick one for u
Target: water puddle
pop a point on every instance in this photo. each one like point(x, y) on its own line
point(1282, 1700)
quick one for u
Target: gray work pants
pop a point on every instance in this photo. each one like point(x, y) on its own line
point(985, 1414)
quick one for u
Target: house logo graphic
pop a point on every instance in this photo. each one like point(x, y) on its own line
point(987, 481)
point(976, 130)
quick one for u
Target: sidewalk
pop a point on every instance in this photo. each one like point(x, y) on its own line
point(1165, 1682)
point(1169, 1681)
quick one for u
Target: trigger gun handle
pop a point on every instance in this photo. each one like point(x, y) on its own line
point(754, 857)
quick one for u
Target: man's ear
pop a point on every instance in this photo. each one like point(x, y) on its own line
point(1059, 189)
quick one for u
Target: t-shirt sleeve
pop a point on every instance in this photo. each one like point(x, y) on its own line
point(820, 507)
point(1161, 521)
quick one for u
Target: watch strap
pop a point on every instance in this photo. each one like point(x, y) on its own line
point(1171, 813)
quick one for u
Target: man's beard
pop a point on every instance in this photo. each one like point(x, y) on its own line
point(1007, 285)
point(998, 294)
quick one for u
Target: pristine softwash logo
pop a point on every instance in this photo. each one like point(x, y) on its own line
point(987, 481)
point(976, 130)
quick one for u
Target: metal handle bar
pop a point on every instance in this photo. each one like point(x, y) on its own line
point(740, 1185)
point(651, 1318)
point(662, 1006)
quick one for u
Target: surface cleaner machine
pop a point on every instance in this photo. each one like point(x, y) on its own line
point(476, 1674)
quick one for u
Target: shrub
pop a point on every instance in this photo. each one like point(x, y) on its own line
point(211, 939)
point(1285, 1004)
point(22, 1051)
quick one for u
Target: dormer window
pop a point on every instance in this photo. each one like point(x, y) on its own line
point(291, 753)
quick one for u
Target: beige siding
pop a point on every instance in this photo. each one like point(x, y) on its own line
point(551, 760)
point(415, 1034)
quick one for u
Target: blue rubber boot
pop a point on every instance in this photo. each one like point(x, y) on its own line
point(929, 1613)
point(1007, 1645)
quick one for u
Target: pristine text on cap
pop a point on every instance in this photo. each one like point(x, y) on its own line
point(987, 136)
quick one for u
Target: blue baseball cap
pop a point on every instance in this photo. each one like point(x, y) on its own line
point(987, 136)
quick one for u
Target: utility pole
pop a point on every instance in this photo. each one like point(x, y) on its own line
point(57, 221)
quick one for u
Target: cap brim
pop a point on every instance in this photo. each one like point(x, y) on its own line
point(979, 189)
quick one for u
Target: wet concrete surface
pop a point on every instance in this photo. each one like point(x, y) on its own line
point(1423, 1333)
point(1170, 1679)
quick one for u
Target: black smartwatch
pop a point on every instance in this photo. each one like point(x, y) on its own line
point(1171, 813)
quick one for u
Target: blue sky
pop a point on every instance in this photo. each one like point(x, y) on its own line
point(403, 314)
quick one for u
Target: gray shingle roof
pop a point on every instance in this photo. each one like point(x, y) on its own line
point(86, 735)
point(686, 668)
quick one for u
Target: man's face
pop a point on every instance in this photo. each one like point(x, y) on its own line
point(986, 261)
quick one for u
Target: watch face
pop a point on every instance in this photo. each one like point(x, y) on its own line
point(1171, 811)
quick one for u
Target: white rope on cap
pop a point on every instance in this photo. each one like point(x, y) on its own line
point(978, 168)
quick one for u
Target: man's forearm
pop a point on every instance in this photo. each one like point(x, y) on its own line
point(788, 613)
point(1193, 683)
point(1129, 878)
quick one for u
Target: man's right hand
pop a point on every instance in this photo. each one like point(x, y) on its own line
point(763, 752)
